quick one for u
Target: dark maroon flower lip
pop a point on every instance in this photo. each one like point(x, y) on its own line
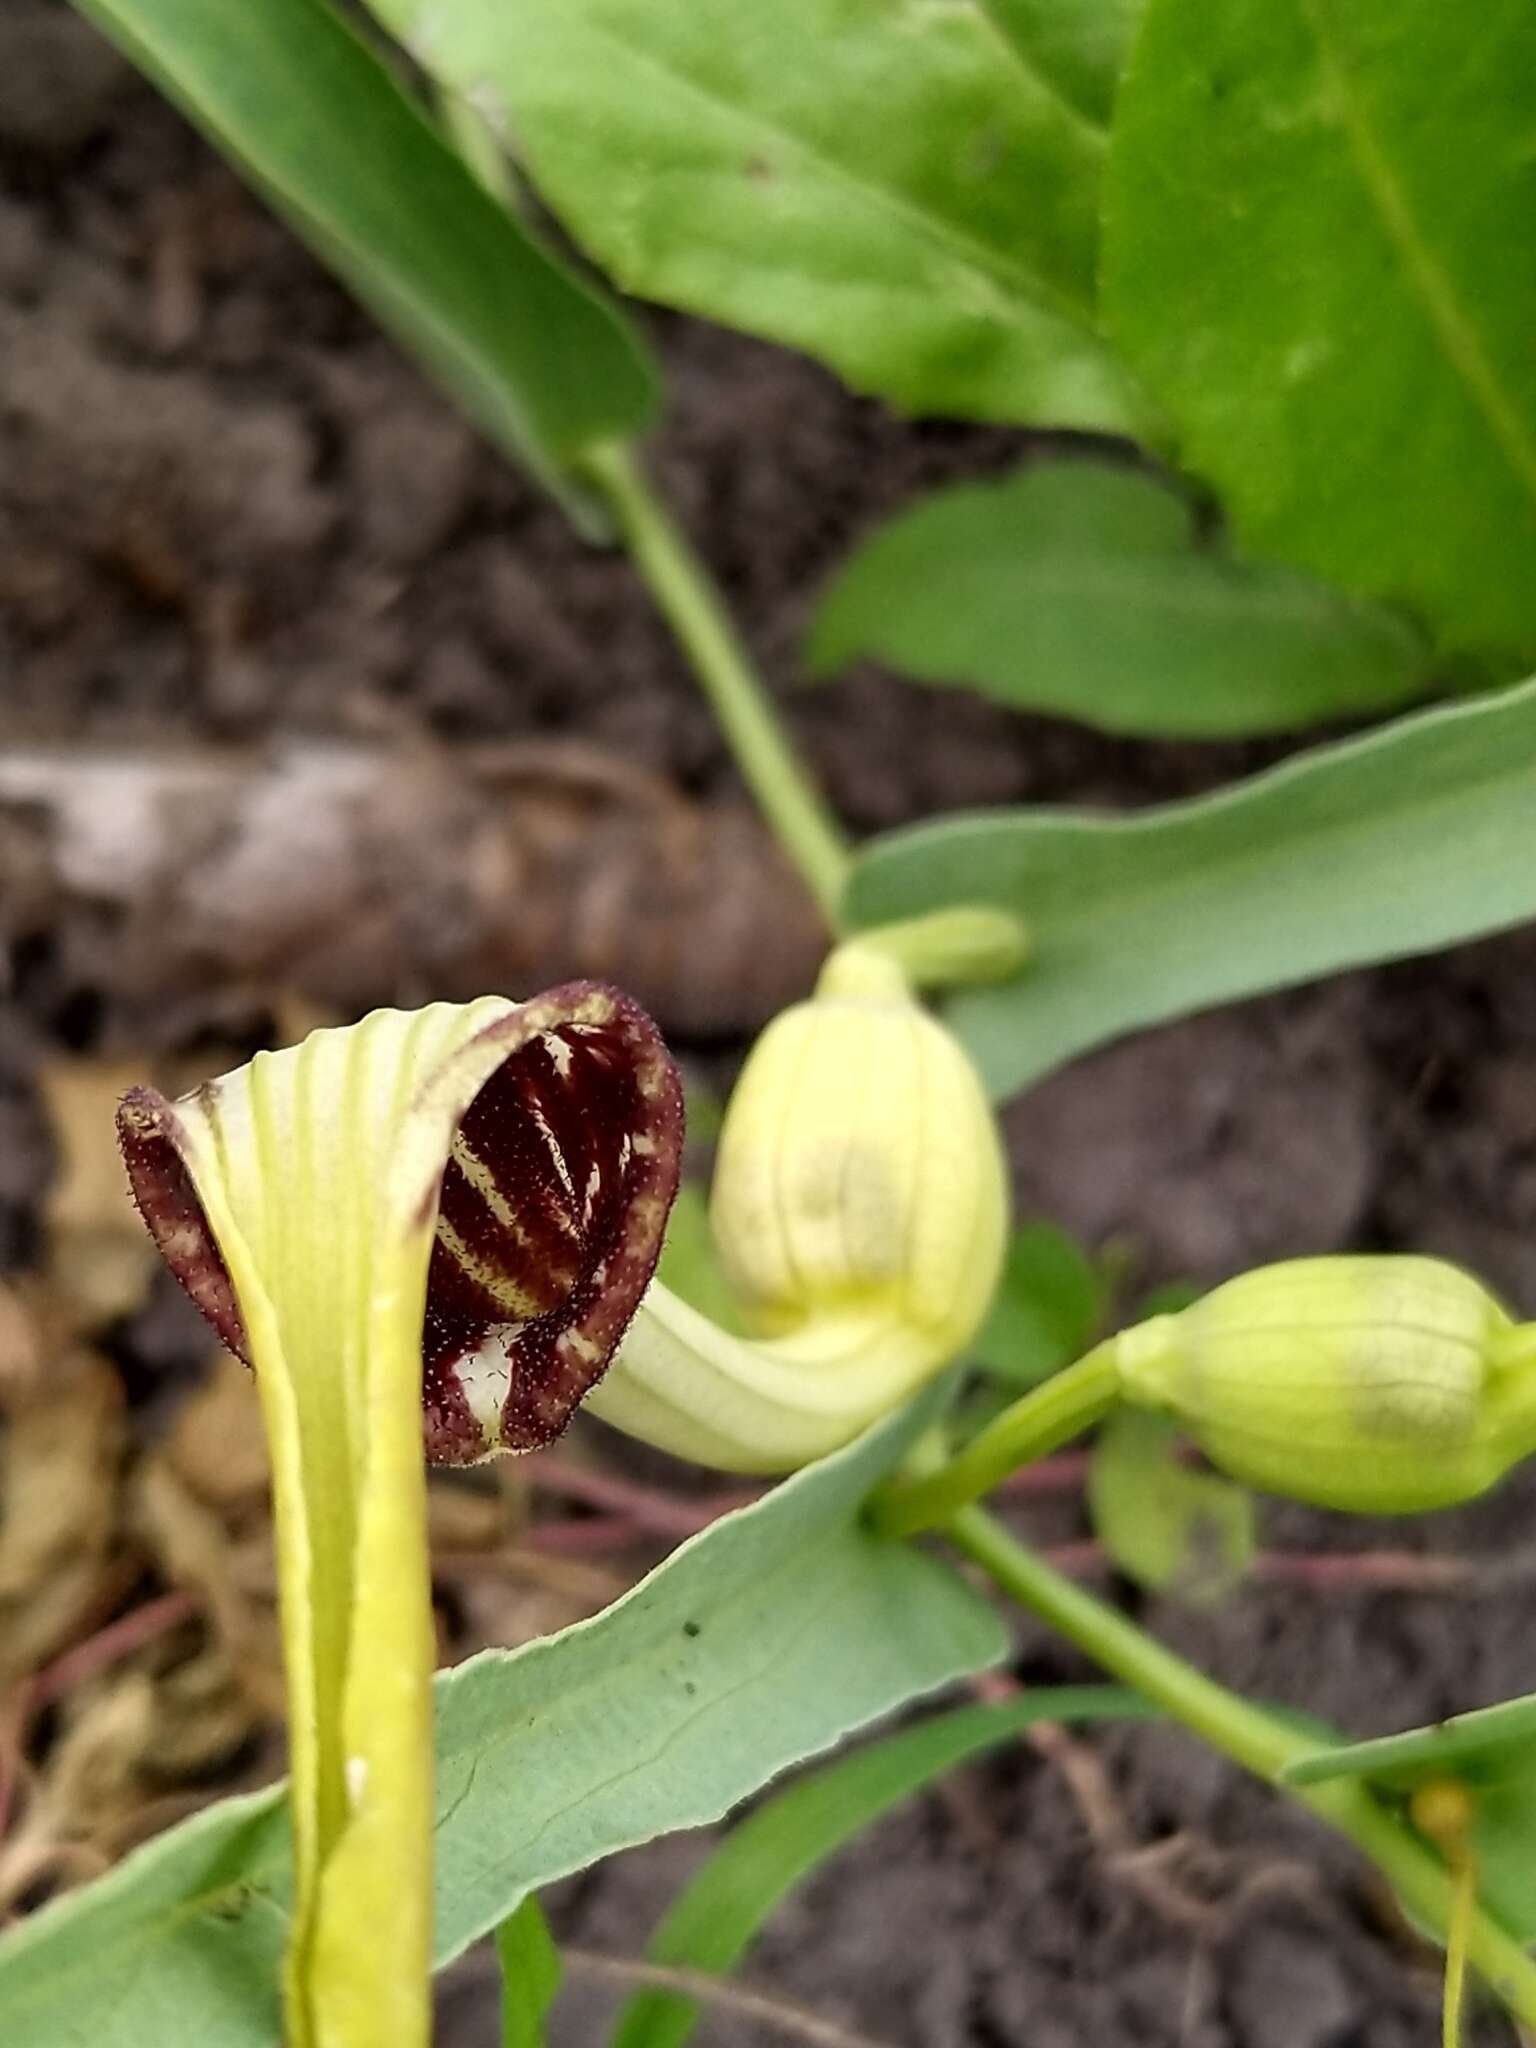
point(549, 1216)
point(552, 1209)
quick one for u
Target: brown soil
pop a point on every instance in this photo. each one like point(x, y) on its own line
point(230, 513)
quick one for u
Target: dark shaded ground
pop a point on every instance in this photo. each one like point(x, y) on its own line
point(228, 511)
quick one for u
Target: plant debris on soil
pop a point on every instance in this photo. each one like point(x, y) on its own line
point(310, 704)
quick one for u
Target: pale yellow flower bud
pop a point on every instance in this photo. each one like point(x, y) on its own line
point(1380, 1385)
point(859, 1165)
point(860, 1206)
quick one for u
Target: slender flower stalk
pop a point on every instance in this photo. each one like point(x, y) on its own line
point(794, 808)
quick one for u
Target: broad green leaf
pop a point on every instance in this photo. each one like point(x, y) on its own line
point(1416, 836)
point(1050, 1301)
point(766, 1639)
point(1080, 588)
point(1080, 45)
point(530, 1974)
point(320, 126)
point(1320, 217)
point(1166, 1524)
point(725, 1906)
point(886, 184)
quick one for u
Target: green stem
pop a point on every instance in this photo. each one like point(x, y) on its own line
point(764, 753)
point(1067, 1404)
point(1250, 1737)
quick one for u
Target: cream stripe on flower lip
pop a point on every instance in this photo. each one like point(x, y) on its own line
point(517, 1303)
point(483, 1181)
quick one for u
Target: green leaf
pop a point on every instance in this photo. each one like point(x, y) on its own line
point(1493, 1742)
point(1504, 1844)
point(1166, 1524)
point(1079, 588)
point(766, 1639)
point(530, 1974)
point(1320, 216)
point(1050, 1301)
point(320, 126)
point(1492, 1750)
point(1415, 836)
point(1080, 45)
point(891, 187)
point(725, 1906)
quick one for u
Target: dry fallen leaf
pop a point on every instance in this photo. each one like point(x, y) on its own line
point(21, 1351)
point(59, 1483)
point(100, 1258)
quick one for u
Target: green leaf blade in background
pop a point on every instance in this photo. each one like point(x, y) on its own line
point(530, 1974)
point(1169, 1526)
point(893, 189)
point(1492, 1751)
point(1079, 588)
point(1049, 1306)
point(1319, 223)
point(1495, 1741)
point(1414, 837)
point(320, 126)
point(1080, 45)
point(772, 1635)
point(726, 1904)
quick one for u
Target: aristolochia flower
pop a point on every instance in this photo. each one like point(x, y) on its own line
point(440, 1224)
point(860, 1205)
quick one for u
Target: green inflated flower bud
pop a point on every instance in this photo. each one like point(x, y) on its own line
point(1381, 1385)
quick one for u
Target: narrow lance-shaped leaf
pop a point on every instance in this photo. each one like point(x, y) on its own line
point(714, 1921)
point(530, 1974)
point(1318, 241)
point(432, 1223)
point(308, 111)
point(1081, 589)
point(767, 1638)
point(1492, 1752)
point(894, 189)
point(1413, 837)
